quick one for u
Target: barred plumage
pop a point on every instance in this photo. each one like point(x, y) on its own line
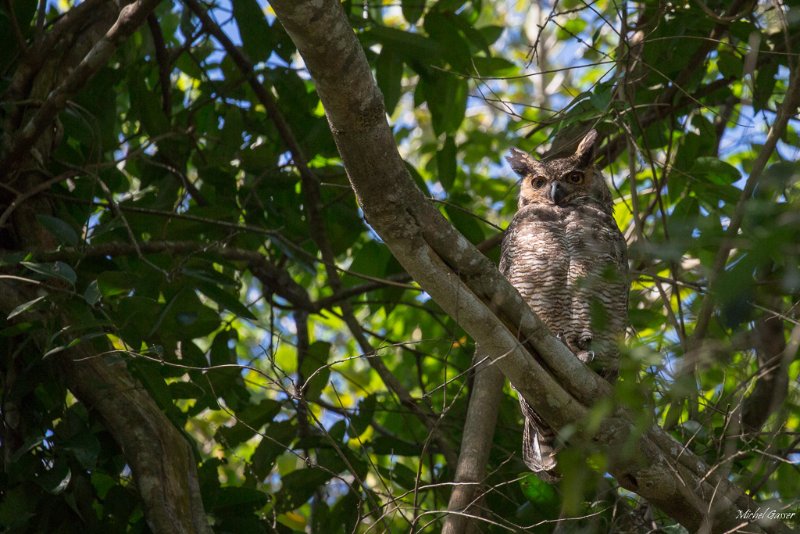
point(567, 258)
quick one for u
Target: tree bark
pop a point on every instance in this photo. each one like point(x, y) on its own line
point(471, 290)
point(52, 71)
point(476, 441)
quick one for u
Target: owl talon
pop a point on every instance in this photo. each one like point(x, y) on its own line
point(586, 356)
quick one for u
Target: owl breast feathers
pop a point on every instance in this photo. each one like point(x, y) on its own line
point(566, 256)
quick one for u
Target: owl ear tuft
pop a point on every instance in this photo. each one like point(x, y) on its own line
point(522, 163)
point(585, 151)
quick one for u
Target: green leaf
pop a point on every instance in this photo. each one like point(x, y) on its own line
point(542, 496)
point(362, 419)
point(210, 276)
point(388, 446)
point(134, 318)
point(60, 229)
point(446, 164)
point(537, 490)
point(401, 475)
point(278, 439)
point(765, 83)
point(454, 48)
point(227, 382)
point(368, 261)
point(85, 447)
point(147, 373)
point(465, 222)
point(255, 31)
point(389, 75)
point(24, 306)
point(782, 174)
point(448, 6)
point(729, 64)
point(715, 170)
point(299, 486)
point(315, 369)
point(114, 283)
point(185, 317)
point(446, 95)
point(226, 300)
point(346, 512)
point(475, 37)
point(494, 66)
point(601, 97)
point(146, 108)
point(492, 33)
point(56, 479)
point(410, 46)
point(250, 421)
point(231, 499)
point(58, 270)
point(92, 293)
point(412, 10)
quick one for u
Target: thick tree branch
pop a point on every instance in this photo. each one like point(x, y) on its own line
point(159, 455)
point(772, 382)
point(313, 208)
point(130, 18)
point(468, 286)
point(60, 64)
point(272, 277)
point(479, 426)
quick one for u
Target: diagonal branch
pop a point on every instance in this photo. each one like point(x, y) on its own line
point(160, 458)
point(130, 18)
point(313, 207)
point(469, 288)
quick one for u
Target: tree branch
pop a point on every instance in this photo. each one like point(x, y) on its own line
point(785, 112)
point(313, 207)
point(476, 441)
point(130, 18)
point(467, 286)
point(160, 458)
point(277, 280)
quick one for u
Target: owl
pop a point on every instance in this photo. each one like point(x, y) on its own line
point(567, 258)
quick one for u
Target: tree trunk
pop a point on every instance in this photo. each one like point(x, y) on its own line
point(471, 290)
point(56, 66)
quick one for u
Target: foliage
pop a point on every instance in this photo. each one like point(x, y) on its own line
point(186, 246)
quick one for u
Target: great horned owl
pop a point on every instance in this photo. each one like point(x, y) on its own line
point(566, 256)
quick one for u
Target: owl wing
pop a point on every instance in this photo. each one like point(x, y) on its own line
point(598, 282)
point(534, 260)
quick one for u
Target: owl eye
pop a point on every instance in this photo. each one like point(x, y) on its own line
point(575, 177)
point(538, 182)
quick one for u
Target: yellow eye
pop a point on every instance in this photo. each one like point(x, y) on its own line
point(538, 182)
point(575, 177)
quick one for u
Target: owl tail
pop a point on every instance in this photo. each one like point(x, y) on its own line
point(538, 441)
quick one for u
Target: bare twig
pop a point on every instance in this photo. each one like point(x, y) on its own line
point(785, 112)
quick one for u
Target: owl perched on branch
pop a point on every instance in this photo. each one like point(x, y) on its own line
point(566, 256)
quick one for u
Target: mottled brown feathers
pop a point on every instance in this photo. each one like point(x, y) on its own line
point(567, 258)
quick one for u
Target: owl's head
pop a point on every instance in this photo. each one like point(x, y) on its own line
point(569, 181)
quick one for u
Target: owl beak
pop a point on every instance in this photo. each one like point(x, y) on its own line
point(556, 193)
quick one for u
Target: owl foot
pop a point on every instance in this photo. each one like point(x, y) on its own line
point(586, 356)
